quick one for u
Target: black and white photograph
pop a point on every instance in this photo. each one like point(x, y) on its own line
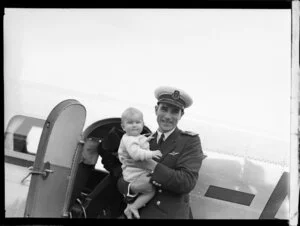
point(151, 113)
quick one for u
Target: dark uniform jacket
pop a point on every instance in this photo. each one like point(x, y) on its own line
point(175, 175)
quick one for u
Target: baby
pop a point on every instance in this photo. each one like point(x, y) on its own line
point(135, 146)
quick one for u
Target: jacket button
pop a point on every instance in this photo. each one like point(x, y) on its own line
point(158, 203)
point(160, 191)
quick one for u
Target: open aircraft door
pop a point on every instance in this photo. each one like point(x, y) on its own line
point(58, 154)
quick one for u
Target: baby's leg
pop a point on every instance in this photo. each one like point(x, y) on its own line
point(141, 201)
point(143, 198)
point(128, 212)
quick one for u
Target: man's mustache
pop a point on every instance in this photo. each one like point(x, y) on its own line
point(167, 120)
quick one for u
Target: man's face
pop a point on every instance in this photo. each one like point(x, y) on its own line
point(167, 116)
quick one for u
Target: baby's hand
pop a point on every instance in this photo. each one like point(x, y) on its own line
point(156, 154)
point(150, 137)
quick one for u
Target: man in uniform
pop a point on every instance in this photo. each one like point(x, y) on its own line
point(175, 174)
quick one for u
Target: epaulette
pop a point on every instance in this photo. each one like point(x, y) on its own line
point(190, 133)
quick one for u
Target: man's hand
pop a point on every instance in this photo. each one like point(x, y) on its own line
point(141, 185)
point(147, 164)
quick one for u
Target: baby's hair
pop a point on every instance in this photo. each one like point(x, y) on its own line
point(130, 112)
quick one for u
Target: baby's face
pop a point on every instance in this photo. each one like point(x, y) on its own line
point(133, 125)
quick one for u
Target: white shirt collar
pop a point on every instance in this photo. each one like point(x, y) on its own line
point(166, 134)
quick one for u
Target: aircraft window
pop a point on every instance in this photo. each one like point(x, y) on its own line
point(33, 139)
point(23, 134)
point(12, 126)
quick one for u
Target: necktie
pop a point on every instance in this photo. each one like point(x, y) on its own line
point(161, 139)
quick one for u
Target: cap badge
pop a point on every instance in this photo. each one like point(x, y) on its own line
point(176, 95)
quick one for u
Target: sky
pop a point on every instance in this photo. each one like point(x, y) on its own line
point(235, 64)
